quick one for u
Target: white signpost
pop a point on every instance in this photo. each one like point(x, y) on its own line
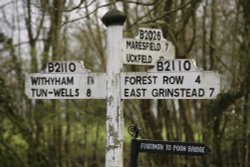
point(65, 80)
point(171, 79)
point(146, 48)
point(114, 21)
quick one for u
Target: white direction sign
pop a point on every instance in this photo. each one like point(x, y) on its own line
point(65, 80)
point(185, 82)
point(148, 47)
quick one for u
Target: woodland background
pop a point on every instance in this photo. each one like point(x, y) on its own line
point(71, 133)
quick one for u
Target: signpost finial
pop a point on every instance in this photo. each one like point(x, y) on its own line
point(113, 17)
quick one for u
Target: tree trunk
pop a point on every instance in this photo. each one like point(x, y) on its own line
point(56, 20)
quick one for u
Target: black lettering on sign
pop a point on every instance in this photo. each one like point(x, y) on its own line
point(186, 65)
point(138, 58)
point(159, 66)
point(174, 65)
point(166, 48)
point(61, 67)
point(64, 92)
point(211, 92)
point(90, 80)
point(178, 92)
point(140, 92)
point(139, 80)
point(39, 92)
point(143, 45)
point(76, 92)
point(52, 80)
point(198, 79)
point(173, 80)
point(150, 34)
point(88, 92)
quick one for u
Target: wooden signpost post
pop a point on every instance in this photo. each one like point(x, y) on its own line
point(169, 79)
point(114, 20)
